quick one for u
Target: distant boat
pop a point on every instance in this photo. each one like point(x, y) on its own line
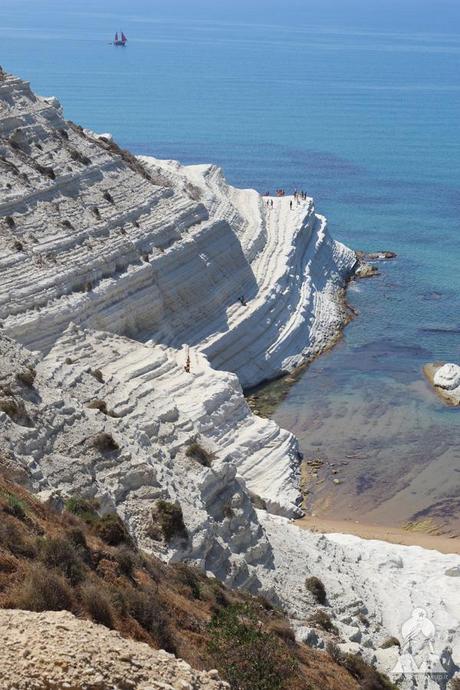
point(120, 41)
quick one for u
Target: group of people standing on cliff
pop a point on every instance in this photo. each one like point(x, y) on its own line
point(298, 197)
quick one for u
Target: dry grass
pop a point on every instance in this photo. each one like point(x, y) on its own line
point(51, 560)
point(198, 453)
point(27, 376)
point(104, 442)
point(41, 590)
point(320, 619)
point(167, 521)
point(97, 604)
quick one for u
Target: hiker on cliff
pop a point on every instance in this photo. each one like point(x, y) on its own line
point(290, 204)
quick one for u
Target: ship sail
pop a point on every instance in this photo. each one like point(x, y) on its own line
point(116, 36)
point(123, 37)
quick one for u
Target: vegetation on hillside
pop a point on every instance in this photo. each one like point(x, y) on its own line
point(78, 560)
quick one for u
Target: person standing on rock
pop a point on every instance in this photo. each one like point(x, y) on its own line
point(290, 204)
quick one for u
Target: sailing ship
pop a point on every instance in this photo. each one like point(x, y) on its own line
point(120, 41)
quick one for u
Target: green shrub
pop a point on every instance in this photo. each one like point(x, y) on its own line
point(97, 374)
point(316, 587)
point(15, 541)
point(368, 677)
point(98, 605)
point(79, 157)
point(320, 619)
point(15, 409)
point(97, 404)
point(61, 555)
point(27, 376)
point(42, 590)
point(145, 607)
point(77, 539)
point(169, 518)
point(84, 508)
point(126, 560)
point(9, 406)
point(16, 507)
point(189, 577)
point(45, 170)
point(111, 529)
point(228, 511)
point(247, 657)
point(199, 454)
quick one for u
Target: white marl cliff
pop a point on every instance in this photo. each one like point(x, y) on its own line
point(147, 294)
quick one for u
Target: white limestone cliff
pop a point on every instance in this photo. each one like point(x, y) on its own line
point(155, 251)
point(147, 294)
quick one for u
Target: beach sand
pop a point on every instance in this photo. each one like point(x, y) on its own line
point(394, 535)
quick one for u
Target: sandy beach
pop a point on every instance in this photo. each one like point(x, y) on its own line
point(393, 535)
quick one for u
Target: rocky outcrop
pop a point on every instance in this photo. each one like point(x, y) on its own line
point(147, 410)
point(57, 650)
point(445, 378)
point(155, 251)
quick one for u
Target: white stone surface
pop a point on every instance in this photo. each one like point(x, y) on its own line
point(447, 377)
point(383, 582)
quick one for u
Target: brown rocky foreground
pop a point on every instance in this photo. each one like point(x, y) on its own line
point(57, 650)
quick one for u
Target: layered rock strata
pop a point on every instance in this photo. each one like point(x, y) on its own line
point(155, 251)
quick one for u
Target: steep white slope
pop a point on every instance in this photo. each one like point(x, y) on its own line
point(154, 251)
point(373, 588)
point(152, 410)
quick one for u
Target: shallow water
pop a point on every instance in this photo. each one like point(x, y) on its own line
point(355, 101)
point(367, 412)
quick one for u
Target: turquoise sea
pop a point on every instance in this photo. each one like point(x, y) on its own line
point(358, 102)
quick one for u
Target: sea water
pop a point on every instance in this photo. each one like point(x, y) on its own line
point(356, 102)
